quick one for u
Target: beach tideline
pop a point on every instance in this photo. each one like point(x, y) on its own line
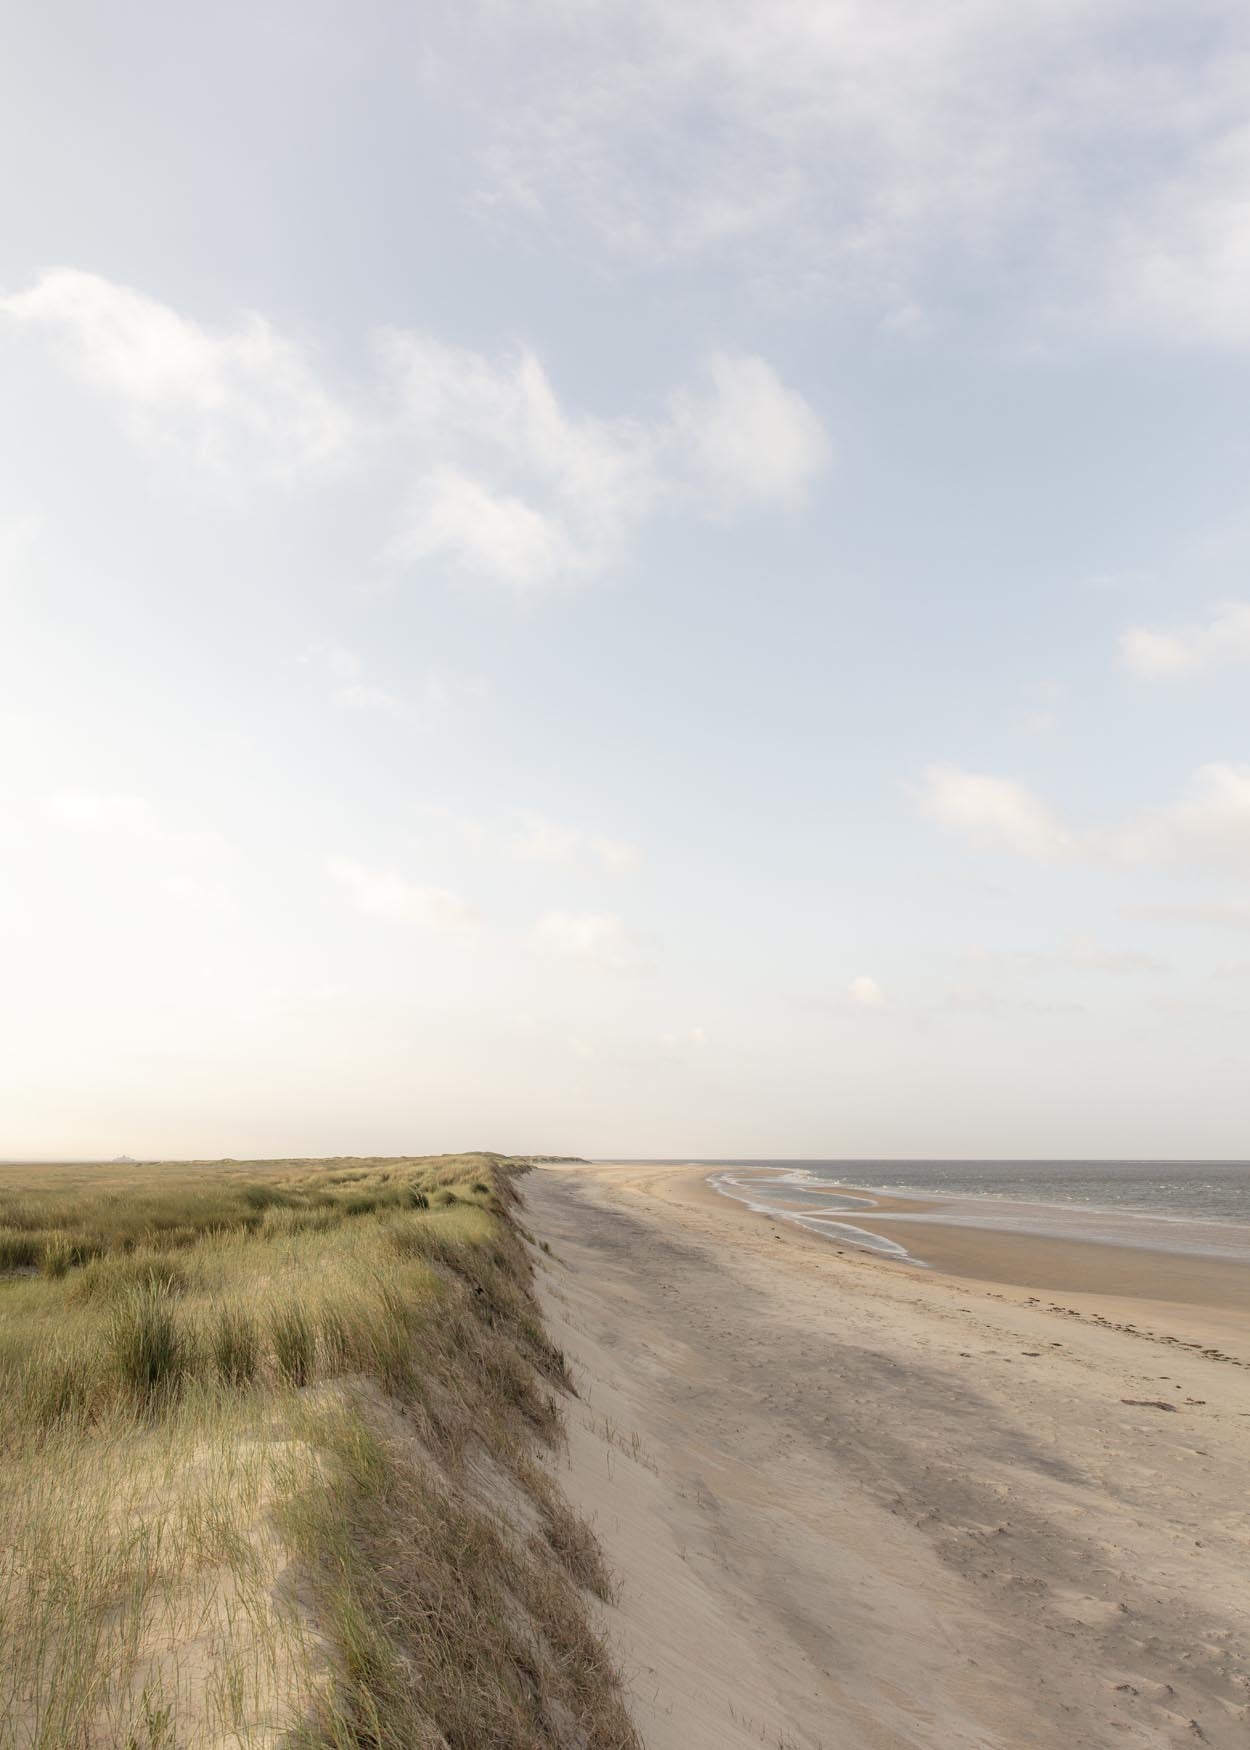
point(998, 1501)
point(1193, 1277)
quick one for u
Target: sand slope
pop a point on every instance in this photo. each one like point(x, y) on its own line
point(855, 1505)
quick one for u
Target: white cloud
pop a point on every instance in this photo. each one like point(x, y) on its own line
point(995, 813)
point(381, 893)
point(126, 824)
point(1210, 824)
point(1182, 265)
point(352, 691)
point(503, 481)
point(511, 485)
point(865, 993)
point(1086, 159)
point(375, 700)
point(449, 514)
point(1223, 641)
point(750, 434)
point(616, 853)
point(597, 939)
point(234, 400)
point(539, 840)
point(514, 485)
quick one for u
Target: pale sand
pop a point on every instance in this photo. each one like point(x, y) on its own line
point(853, 1503)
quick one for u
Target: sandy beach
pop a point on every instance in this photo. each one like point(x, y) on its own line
point(854, 1503)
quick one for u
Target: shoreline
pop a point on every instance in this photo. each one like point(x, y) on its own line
point(852, 1501)
point(1183, 1297)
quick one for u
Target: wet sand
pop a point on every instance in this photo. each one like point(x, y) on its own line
point(1193, 1299)
point(854, 1503)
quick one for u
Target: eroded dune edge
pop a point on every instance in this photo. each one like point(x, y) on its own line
point(277, 1464)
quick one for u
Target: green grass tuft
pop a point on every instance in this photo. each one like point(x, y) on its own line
point(238, 1401)
point(149, 1351)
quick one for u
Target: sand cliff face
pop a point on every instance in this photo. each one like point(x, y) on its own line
point(854, 1505)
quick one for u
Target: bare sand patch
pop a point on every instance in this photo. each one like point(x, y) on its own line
point(857, 1504)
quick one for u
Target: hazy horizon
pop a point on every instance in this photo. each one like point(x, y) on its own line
point(613, 577)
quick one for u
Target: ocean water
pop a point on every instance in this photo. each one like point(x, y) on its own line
point(1200, 1208)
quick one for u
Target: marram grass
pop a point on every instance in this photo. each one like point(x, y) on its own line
point(239, 1404)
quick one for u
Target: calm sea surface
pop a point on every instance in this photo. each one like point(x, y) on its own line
point(1196, 1207)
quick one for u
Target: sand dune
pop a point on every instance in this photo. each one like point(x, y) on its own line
point(854, 1504)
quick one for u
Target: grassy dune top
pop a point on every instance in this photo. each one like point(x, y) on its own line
point(269, 1442)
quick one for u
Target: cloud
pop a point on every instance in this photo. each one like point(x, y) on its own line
point(487, 471)
point(1223, 641)
point(995, 813)
point(595, 939)
point(126, 824)
point(1087, 160)
point(748, 433)
point(1181, 266)
point(865, 993)
point(233, 400)
point(616, 853)
point(512, 485)
point(352, 692)
point(515, 486)
point(539, 840)
point(376, 700)
point(381, 893)
point(1211, 824)
point(451, 515)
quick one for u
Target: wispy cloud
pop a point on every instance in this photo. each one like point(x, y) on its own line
point(351, 690)
point(517, 487)
point(1096, 159)
point(995, 813)
point(385, 894)
point(1178, 652)
point(748, 433)
point(537, 839)
point(233, 400)
point(490, 473)
point(1209, 824)
point(449, 515)
point(595, 940)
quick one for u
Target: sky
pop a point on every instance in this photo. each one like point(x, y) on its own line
point(625, 579)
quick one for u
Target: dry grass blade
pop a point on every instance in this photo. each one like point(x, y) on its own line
point(239, 1408)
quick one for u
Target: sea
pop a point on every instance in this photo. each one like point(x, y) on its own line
point(1197, 1208)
